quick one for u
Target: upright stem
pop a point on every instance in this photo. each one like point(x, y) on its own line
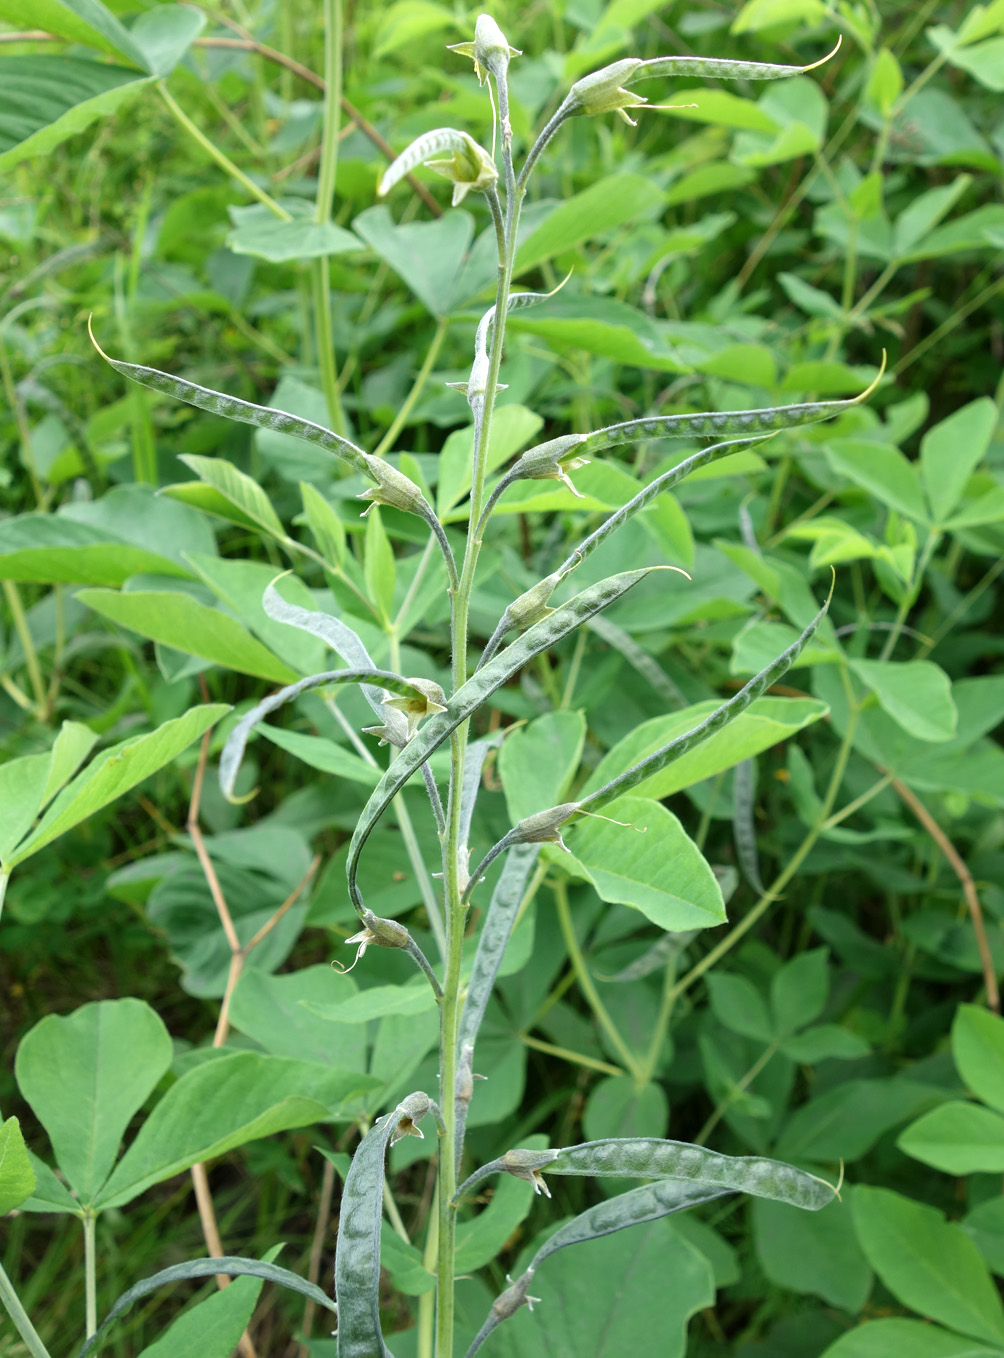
point(12, 1304)
point(321, 269)
point(90, 1274)
point(20, 621)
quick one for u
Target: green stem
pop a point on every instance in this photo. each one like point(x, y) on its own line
point(332, 110)
point(417, 387)
point(588, 986)
point(90, 1274)
point(730, 1098)
point(564, 1054)
point(20, 621)
point(910, 597)
point(222, 160)
point(320, 279)
point(17, 1313)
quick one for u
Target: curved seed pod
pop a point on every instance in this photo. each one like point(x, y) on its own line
point(470, 696)
point(357, 1252)
point(494, 937)
point(645, 497)
point(707, 424)
point(633, 1208)
point(649, 1158)
point(713, 68)
point(743, 824)
point(233, 750)
point(219, 403)
point(469, 166)
point(624, 782)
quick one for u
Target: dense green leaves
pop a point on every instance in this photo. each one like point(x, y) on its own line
point(17, 1178)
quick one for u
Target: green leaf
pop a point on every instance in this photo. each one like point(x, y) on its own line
point(846, 1121)
point(114, 772)
point(164, 34)
point(609, 1297)
point(325, 525)
point(424, 255)
point(251, 503)
point(978, 1049)
point(85, 1076)
point(824, 1042)
point(322, 754)
point(651, 865)
point(736, 1003)
point(88, 22)
point(767, 723)
point(905, 1339)
point(917, 695)
point(378, 564)
point(219, 1105)
point(813, 1252)
point(927, 1263)
point(619, 1107)
point(230, 1265)
point(178, 620)
point(537, 762)
point(512, 429)
point(17, 1178)
point(53, 549)
point(757, 14)
point(213, 1327)
point(275, 1011)
point(798, 991)
point(259, 232)
point(22, 789)
point(951, 451)
point(49, 1194)
point(601, 326)
point(607, 204)
point(885, 82)
point(73, 744)
point(45, 99)
point(958, 1138)
point(881, 470)
point(378, 1001)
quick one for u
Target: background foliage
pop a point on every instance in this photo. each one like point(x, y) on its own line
point(763, 247)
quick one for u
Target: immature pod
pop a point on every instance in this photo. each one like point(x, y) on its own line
point(357, 1252)
point(490, 50)
point(219, 403)
point(468, 165)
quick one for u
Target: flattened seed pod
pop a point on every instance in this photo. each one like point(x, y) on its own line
point(357, 1253)
point(649, 1158)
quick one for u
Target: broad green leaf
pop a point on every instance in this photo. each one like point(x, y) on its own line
point(85, 1076)
point(917, 695)
point(50, 1194)
point(885, 82)
point(114, 772)
point(609, 1296)
point(178, 620)
point(325, 525)
point(723, 109)
point(87, 22)
point(823, 1042)
point(404, 1264)
point(213, 1327)
point(650, 864)
point(274, 1011)
point(798, 991)
point(240, 586)
point(767, 723)
point(45, 99)
point(602, 326)
point(22, 791)
point(17, 1178)
point(424, 255)
point(757, 14)
point(619, 1107)
point(54, 549)
point(737, 1003)
point(73, 744)
point(322, 754)
point(219, 1105)
point(259, 232)
point(378, 564)
point(813, 1252)
point(881, 470)
point(985, 1225)
point(512, 429)
point(244, 493)
point(924, 211)
point(377, 1002)
point(951, 451)
point(846, 1121)
point(978, 1049)
point(607, 204)
point(958, 1138)
point(905, 1339)
point(537, 762)
point(927, 1263)
point(164, 34)
point(230, 1265)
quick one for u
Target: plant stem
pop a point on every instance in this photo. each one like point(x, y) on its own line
point(417, 387)
point(17, 1313)
point(222, 160)
point(573, 1058)
point(586, 983)
point(320, 283)
point(321, 268)
point(90, 1274)
point(20, 621)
